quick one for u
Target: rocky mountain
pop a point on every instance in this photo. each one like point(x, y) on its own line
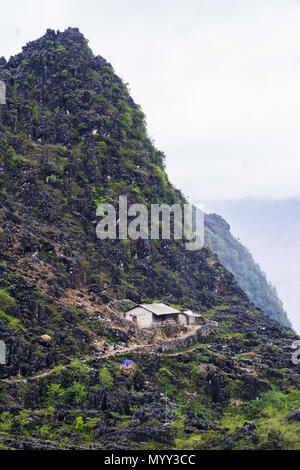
point(239, 261)
point(71, 138)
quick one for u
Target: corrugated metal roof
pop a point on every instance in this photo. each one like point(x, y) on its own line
point(159, 309)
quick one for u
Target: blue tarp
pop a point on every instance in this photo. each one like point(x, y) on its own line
point(127, 362)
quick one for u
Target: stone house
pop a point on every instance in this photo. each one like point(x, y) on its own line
point(146, 315)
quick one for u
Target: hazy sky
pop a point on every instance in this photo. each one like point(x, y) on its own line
point(218, 80)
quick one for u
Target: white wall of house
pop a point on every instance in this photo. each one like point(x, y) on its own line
point(182, 320)
point(190, 319)
point(143, 316)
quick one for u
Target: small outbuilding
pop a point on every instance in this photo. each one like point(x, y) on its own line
point(192, 318)
point(152, 314)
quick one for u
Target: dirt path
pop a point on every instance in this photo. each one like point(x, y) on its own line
point(113, 353)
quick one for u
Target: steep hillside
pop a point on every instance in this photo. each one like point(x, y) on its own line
point(239, 261)
point(70, 138)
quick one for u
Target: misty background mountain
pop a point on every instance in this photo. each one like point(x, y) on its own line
point(270, 230)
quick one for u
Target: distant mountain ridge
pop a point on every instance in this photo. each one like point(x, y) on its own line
point(238, 260)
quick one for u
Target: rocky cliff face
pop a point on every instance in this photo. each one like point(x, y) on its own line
point(71, 138)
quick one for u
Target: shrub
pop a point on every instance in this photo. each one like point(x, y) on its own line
point(91, 423)
point(76, 393)
point(102, 148)
point(55, 393)
point(6, 301)
point(13, 159)
point(79, 424)
point(52, 179)
point(164, 372)
point(106, 378)
point(82, 127)
point(6, 422)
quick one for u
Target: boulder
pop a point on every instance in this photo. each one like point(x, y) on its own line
point(294, 415)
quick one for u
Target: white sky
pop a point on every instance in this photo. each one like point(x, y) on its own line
point(218, 80)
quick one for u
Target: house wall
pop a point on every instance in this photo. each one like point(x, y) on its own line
point(166, 318)
point(144, 318)
point(182, 320)
point(147, 319)
point(156, 320)
point(190, 319)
